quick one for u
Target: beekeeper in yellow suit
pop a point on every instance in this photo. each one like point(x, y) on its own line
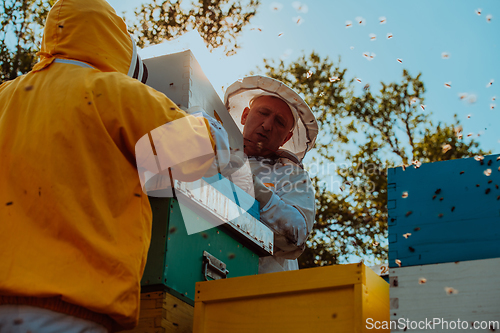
point(74, 222)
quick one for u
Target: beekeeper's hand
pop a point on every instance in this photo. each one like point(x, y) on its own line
point(238, 171)
point(262, 193)
point(218, 133)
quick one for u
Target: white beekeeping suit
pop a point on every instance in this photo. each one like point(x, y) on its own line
point(290, 210)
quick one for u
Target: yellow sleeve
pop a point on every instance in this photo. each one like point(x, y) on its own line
point(136, 115)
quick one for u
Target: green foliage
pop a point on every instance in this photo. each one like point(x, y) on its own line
point(370, 132)
point(22, 24)
point(218, 21)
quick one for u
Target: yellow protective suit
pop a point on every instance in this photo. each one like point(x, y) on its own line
point(74, 224)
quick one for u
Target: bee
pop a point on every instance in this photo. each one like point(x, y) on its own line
point(462, 96)
point(398, 262)
point(446, 148)
point(400, 60)
point(406, 235)
point(404, 196)
point(382, 20)
point(450, 290)
point(422, 280)
point(280, 34)
point(488, 18)
point(334, 78)
point(445, 55)
point(358, 79)
point(389, 35)
point(492, 106)
point(490, 83)
point(309, 74)
point(487, 172)
point(373, 37)
point(447, 84)
point(348, 24)
point(360, 20)
point(478, 11)
point(298, 20)
point(276, 6)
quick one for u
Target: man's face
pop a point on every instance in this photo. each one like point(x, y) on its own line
point(267, 126)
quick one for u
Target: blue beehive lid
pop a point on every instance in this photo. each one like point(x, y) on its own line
point(444, 211)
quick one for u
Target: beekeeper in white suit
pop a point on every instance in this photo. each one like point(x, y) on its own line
point(278, 130)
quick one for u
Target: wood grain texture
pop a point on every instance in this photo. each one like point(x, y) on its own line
point(163, 313)
point(451, 210)
point(476, 282)
point(323, 299)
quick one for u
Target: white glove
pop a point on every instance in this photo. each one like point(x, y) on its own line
point(238, 171)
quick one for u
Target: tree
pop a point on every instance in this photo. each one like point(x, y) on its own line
point(371, 132)
point(218, 21)
point(22, 24)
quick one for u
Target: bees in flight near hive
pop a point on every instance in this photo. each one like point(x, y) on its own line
point(450, 290)
point(446, 148)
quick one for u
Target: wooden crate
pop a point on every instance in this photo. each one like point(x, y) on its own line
point(450, 208)
point(323, 299)
point(163, 313)
point(477, 296)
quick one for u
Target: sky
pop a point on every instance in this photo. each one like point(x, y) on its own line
point(447, 41)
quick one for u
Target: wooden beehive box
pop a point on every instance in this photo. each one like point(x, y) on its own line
point(322, 299)
point(420, 293)
point(180, 77)
point(451, 210)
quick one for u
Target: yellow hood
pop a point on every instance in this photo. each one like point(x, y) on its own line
point(88, 31)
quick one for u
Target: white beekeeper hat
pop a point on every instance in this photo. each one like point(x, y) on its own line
point(239, 94)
